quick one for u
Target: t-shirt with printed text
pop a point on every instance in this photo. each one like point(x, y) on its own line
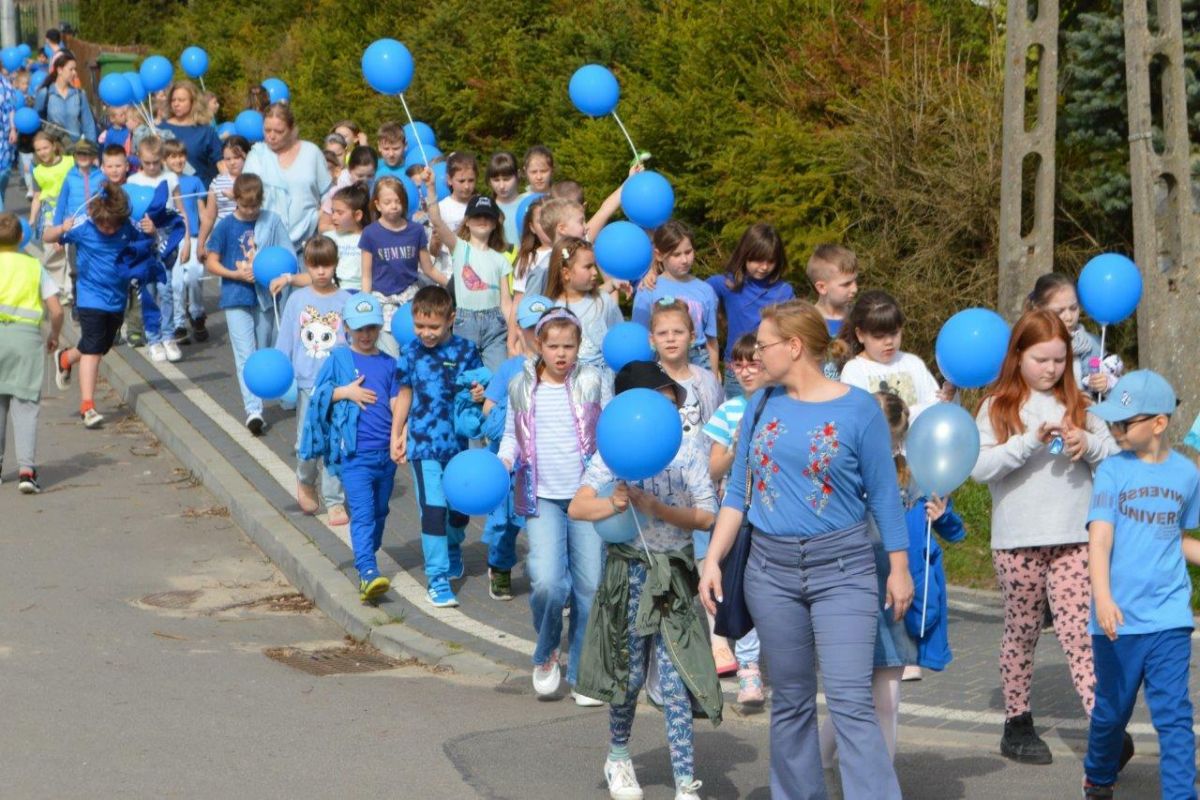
point(395, 256)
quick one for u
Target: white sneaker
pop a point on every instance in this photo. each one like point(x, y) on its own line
point(584, 701)
point(547, 677)
point(92, 418)
point(911, 673)
point(688, 791)
point(173, 352)
point(157, 352)
point(622, 782)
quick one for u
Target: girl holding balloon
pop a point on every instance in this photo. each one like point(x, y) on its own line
point(574, 283)
point(1038, 446)
point(1055, 292)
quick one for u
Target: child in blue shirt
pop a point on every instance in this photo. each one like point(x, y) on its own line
point(428, 368)
point(355, 427)
point(1142, 500)
point(185, 278)
point(309, 329)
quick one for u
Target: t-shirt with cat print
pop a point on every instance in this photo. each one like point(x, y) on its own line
point(310, 327)
point(477, 276)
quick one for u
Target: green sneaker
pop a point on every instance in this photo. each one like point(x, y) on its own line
point(500, 587)
point(368, 591)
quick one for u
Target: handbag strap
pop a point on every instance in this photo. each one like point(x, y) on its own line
point(762, 403)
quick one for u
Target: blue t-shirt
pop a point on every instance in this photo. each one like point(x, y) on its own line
point(743, 308)
point(1149, 505)
point(818, 468)
point(431, 372)
point(193, 186)
point(382, 170)
point(395, 255)
point(116, 134)
point(309, 329)
point(699, 297)
point(203, 148)
point(375, 420)
point(834, 326)
point(76, 191)
point(230, 240)
point(497, 390)
point(103, 281)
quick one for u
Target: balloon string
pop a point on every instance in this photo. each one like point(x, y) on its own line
point(641, 537)
point(203, 88)
point(627, 137)
point(416, 133)
point(1103, 331)
point(275, 305)
point(925, 592)
point(50, 124)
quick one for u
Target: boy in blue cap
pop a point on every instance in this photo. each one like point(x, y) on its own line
point(352, 423)
point(1143, 499)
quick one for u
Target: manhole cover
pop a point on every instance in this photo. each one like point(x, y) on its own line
point(177, 599)
point(333, 660)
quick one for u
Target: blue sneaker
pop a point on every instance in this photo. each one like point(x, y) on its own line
point(440, 594)
point(457, 570)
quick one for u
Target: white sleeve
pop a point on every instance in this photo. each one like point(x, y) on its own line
point(48, 287)
point(852, 374)
point(508, 444)
point(997, 460)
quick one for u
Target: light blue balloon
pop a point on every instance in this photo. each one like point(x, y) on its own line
point(523, 211)
point(648, 199)
point(412, 197)
point(268, 373)
point(625, 342)
point(619, 528)
point(11, 58)
point(638, 434)
point(418, 130)
point(941, 448)
point(441, 182)
point(971, 347)
point(137, 89)
point(157, 73)
point(226, 129)
point(594, 90)
point(194, 62)
point(277, 90)
point(26, 120)
point(387, 66)
point(624, 251)
point(26, 231)
point(271, 262)
point(26, 50)
point(402, 325)
point(413, 156)
point(140, 198)
point(114, 90)
point(475, 482)
point(288, 400)
point(249, 124)
point(1110, 288)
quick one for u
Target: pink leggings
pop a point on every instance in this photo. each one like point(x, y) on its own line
point(1028, 575)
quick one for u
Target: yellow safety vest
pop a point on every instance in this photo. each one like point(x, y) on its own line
point(20, 289)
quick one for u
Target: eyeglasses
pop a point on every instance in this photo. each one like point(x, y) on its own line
point(1122, 426)
point(760, 346)
point(746, 366)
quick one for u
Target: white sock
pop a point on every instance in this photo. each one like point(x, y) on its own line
point(885, 689)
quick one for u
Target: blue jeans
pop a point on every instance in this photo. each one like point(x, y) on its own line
point(488, 330)
point(1160, 662)
point(160, 294)
point(732, 387)
point(815, 604)
point(368, 477)
point(500, 531)
point(306, 471)
point(250, 329)
point(185, 289)
point(566, 557)
point(4, 176)
point(698, 355)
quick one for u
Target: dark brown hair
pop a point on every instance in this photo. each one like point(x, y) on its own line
point(248, 189)
point(433, 301)
point(10, 229)
point(875, 313)
point(760, 242)
point(562, 256)
point(109, 208)
point(320, 251)
point(1045, 287)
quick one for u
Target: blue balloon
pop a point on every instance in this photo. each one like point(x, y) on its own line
point(418, 130)
point(27, 120)
point(226, 129)
point(625, 342)
point(268, 373)
point(523, 210)
point(402, 325)
point(941, 448)
point(648, 199)
point(114, 90)
point(619, 528)
point(412, 197)
point(26, 50)
point(1110, 288)
point(388, 66)
point(277, 90)
point(137, 90)
point(157, 73)
point(623, 250)
point(414, 156)
point(638, 434)
point(594, 90)
point(475, 482)
point(249, 123)
point(194, 62)
point(271, 262)
point(288, 400)
point(140, 198)
point(440, 181)
point(26, 231)
point(971, 347)
point(11, 58)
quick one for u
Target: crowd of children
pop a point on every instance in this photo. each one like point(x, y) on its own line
point(509, 318)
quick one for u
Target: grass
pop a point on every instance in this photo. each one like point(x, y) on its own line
point(969, 563)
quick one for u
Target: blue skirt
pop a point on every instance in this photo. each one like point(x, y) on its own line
point(894, 647)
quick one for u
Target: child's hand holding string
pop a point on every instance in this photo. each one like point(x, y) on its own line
point(643, 501)
point(619, 499)
point(935, 507)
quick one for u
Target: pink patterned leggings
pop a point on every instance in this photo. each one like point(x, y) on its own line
point(1028, 576)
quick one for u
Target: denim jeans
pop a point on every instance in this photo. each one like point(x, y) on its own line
point(4, 176)
point(369, 477)
point(306, 470)
point(500, 531)
point(566, 557)
point(185, 289)
point(160, 293)
point(488, 330)
point(250, 329)
point(732, 387)
point(698, 355)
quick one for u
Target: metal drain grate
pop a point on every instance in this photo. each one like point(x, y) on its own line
point(334, 660)
point(177, 599)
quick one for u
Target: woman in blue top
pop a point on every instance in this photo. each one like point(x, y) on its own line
point(189, 122)
point(62, 105)
point(820, 460)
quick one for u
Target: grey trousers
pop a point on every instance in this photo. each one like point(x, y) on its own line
point(24, 421)
point(814, 602)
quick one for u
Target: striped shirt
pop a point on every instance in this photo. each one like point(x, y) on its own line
point(722, 425)
point(559, 461)
point(222, 187)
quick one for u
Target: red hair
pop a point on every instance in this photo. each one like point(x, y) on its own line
point(1010, 391)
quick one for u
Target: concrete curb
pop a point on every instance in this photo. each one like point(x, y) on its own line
point(297, 557)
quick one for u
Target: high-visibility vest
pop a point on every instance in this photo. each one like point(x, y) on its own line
point(20, 289)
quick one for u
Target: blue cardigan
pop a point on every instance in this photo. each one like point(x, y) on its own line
point(933, 649)
point(331, 429)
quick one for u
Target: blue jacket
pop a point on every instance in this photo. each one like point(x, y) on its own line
point(331, 429)
point(468, 415)
point(933, 649)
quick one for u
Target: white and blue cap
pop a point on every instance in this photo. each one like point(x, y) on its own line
point(1140, 393)
point(531, 308)
point(361, 310)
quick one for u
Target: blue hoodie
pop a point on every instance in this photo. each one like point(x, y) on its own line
point(933, 649)
point(331, 429)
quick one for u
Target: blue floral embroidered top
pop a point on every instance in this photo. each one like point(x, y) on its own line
point(818, 468)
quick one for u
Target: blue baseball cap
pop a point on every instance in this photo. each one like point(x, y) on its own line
point(361, 310)
point(531, 308)
point(1142, 392)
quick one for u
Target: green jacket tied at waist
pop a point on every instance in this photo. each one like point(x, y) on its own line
point(666, 607)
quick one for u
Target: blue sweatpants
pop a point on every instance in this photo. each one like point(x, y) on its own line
point(367, 479)
point(1159, 661)
point(442, 528)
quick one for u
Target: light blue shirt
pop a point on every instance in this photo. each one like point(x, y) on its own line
point(698, 296)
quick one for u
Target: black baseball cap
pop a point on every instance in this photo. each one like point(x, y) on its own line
point(647, 375)
point(482, 206)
